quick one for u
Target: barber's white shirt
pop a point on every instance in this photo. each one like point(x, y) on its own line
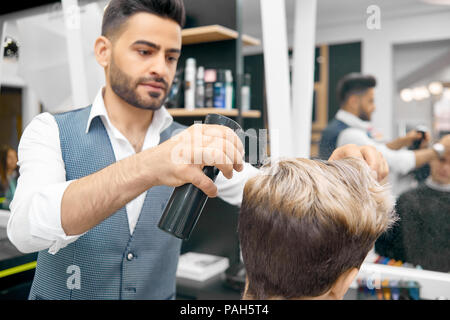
point(35, 222)
point(399, 161)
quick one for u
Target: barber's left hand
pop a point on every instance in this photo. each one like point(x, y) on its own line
point(369, 154)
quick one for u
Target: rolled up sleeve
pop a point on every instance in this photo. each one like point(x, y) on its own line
point(399, 161)
point(232, 190)
point(35, 222)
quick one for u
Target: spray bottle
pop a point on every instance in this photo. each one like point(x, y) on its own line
point(187, 202)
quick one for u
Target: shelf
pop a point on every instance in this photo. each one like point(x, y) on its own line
point(214, 33)
point(203, 112)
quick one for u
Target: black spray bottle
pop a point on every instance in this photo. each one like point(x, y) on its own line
point(187, 202)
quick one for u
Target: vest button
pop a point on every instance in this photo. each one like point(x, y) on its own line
point(130, 256)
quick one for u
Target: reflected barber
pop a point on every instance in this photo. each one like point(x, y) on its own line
point(94, 181)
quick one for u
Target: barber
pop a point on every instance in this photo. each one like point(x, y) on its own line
point(352, 125)
point(94, 181)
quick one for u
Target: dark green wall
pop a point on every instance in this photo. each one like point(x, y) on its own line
point(344, 58)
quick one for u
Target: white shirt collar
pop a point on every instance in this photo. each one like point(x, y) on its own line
point(160, 122)
point(436, 186)
point(352, 120)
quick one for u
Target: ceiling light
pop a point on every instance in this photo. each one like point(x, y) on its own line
point(420, 93)
point(407, 95)
point(435, 88)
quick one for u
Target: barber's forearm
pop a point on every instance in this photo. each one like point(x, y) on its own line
point(92, 199)
point(397, 144)
point(424, 156)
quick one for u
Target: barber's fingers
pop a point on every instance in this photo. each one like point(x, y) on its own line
point(376, 162)
point(427, 136)
point(219, 137)
point(226, 149)
point(224, 133)
point(417, 135)
point(385, 171)
point(215, 158)
point(347, 151)
point(369, 154)
point(196, 176)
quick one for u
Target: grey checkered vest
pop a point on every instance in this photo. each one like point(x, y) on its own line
point(108, 262)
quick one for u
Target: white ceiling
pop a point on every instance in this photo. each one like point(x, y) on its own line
point(336, 12)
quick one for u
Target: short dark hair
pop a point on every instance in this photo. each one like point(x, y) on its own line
point(119, 11)
point(354, 83)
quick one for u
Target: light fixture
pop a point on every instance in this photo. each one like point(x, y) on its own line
point(407, 95)
point(421, 93)
point(435, 88)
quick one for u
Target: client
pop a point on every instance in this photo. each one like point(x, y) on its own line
point(306, 226)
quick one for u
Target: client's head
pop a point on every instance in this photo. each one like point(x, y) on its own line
point(306, 226)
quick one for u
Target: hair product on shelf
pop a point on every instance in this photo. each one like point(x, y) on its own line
point(200, 88)
point(189, 84)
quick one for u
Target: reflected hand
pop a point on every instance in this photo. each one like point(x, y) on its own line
point(445, 140)
point(415, 135)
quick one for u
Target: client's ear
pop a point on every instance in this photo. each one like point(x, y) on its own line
point(340, 287)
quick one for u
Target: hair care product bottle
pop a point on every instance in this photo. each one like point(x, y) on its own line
point(189, 84)
point(219, 90)
point(229, 91)
point(246, 93)
point(200, 88)
point(210, 79)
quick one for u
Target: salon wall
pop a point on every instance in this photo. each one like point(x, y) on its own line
point(377, 53)
point(402, 21)
point(432, 61)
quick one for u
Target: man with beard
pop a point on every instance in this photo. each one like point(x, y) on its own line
point(351, 125)
point(94, 182)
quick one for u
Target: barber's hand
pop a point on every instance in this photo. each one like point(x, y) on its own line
point(180, 160)
point(369, 154)
point(445, 140)
point(414, 135)
point(426, 141)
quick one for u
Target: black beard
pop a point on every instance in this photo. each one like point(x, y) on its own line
point(124, 87)
point(364, 116)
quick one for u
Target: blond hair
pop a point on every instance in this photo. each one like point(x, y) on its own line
point(304, 222)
